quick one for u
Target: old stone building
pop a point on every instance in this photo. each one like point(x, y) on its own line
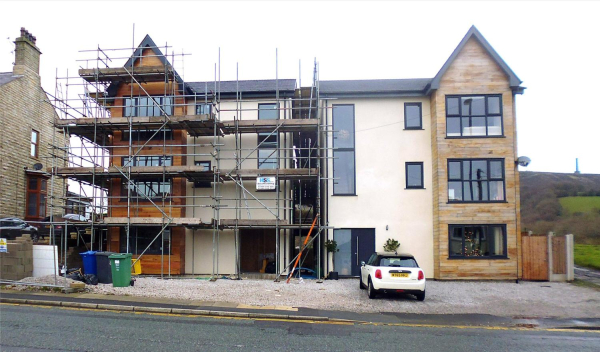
point(26, 136)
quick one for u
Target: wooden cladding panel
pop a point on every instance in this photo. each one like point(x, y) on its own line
point(535, 257)
point(474, 72)
point(559, 255)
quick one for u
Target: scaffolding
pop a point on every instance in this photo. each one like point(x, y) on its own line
point(154, 151)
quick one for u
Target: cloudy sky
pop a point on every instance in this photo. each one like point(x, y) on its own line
point(554, 48)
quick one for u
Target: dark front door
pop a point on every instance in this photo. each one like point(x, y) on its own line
point(355, 246)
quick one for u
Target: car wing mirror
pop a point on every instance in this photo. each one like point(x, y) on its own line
point(362, 263)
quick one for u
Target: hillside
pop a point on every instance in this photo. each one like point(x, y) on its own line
point(563, 203)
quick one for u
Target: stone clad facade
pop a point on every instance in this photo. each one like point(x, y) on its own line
point(25, 107)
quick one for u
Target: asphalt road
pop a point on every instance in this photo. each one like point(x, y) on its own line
point(34, 328)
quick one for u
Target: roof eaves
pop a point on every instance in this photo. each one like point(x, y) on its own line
point(514, 81)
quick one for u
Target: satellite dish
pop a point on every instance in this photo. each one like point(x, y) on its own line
point(37, 166)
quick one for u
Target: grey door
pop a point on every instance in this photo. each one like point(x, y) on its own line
point(355, 246)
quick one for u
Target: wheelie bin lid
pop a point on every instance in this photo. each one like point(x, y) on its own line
point(120, 256)
point(106, 254)
point(88, 253)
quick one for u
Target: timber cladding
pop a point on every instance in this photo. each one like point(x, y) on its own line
point(474, 72)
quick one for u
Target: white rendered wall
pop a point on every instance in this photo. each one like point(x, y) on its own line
point(382, 147)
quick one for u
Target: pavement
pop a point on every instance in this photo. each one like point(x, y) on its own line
point(589, 275)
point(234, 310)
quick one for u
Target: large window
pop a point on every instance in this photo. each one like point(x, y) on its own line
point(414, 175)
point(476, 180)
point(205, 167)
point(149, 160)
point(147, 106)
point(344, 173)
point(140, 237)
point(35, 143)
point(267, 152)
point(37, 190)
point(474, 116)
point(143, 189)
point(477, 241)
point(413, 116)
point(203, 108)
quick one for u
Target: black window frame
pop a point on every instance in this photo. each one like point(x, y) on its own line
point(207, 167)
point(412, 163)
point(136, 110)
point(463, 180)
point(269, 141)
point(337, 150)
point(141, 198)
point(202, 107)
point(148, 234)
point(486, 227)
point(486, 115)
point(137, 158)
point(420, 127)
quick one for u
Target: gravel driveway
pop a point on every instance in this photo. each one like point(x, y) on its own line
point(526, 299)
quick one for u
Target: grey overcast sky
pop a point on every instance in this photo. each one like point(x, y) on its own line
point(553, 46)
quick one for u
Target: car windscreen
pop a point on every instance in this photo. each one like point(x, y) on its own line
point(405, 262)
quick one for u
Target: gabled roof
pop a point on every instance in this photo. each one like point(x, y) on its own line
point(6, 77)
point(378, 87)
point(246, 87)
point(147, 43)
point(514, 81)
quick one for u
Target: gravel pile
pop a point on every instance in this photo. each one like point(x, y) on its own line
point(44, 280)
point(526, 299)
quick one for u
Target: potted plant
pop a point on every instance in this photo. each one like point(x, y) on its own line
point(331, 246)
point(391, 245)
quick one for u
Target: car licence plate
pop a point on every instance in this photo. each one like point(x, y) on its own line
point(399, 274)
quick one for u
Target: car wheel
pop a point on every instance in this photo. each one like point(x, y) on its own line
point(35, 237)
point(420, 296)
point(370, 290)
point(360, 284)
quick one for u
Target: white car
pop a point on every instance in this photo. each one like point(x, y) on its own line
point(387, 272)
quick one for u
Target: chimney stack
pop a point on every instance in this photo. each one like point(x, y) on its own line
point(27, 55)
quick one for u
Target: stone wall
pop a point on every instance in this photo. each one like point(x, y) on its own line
point(17, 264)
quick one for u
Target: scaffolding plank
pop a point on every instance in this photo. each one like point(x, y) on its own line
point(122, 74)
point(116, 221)
point(190, 172)
point(266, 126)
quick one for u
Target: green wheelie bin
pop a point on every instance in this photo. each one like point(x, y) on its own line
point(120, 266)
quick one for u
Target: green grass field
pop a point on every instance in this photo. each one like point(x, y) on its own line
point(587, 255)
point(579, 204)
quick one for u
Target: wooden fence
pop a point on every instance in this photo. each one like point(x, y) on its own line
point(547, 257)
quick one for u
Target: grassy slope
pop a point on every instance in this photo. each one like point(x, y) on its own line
point(580, 204)
point(587, 255)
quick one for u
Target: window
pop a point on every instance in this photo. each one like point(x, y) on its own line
point(413, 116)
point(149, 160)
point(267, 151)
point(144, 135)
point(476, 180)
point(206, 167)
point(147, 106)
point(141, 236)
point(37, 191)
point(414, 175)
point(203, 108)
point(477, 241)
point(153, 189)
point(474, 115)
point(35, 142)
point(344, 172)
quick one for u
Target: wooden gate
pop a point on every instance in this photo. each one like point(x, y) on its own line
point(559, 255)
point(535, 257)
